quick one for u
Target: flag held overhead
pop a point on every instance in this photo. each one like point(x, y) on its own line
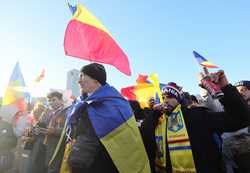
point(87, 38)
point(203, 61)
point(14, 100)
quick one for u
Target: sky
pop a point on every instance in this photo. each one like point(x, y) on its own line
point(158, 37)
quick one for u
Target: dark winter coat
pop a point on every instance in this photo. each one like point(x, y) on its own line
point(89, 155)
point(201, 124)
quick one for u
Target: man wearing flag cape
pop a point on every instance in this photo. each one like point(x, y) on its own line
point(107, 138)
point(183, 138)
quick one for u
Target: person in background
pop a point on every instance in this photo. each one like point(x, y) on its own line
point(54, 123)
point(194, 102)
point(8, 142)
point(34, 141)
point(237, 144)
point(20, 123)
point(138, 112)
point(151, 102)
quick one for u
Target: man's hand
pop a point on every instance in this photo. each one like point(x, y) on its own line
point(47, 131)
point(51, 131)
point(218, 78)
point(221, 79)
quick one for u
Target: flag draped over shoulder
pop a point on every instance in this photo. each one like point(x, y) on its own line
point(203, 61)
point(115, 126)
point(14, 100)
point(87, 38)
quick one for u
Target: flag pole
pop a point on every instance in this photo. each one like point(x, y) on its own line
point(205, 71)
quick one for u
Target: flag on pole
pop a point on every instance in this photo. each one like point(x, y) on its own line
point(87, 38)
point(40, 77)
point(203, 61)
point(142, 78)
point(14, 99)
point(144, 90)
point(154, 78)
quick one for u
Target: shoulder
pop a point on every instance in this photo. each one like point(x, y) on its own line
point(195, 111)
point(5, 124)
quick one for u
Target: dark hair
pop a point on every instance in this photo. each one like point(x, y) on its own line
point(194, 99)
point(55, 94)
point(186, 99)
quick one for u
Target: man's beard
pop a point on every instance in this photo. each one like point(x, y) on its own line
point(168, 109)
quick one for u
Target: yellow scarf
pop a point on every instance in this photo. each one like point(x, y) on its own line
point(178, 143)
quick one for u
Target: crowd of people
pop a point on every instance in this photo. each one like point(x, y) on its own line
point(102, 132)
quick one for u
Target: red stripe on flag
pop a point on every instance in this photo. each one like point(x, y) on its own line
point(177, 141)
point(88, 42)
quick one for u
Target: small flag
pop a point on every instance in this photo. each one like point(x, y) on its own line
point(40, 77)
point(203, 61)
point(144, 90)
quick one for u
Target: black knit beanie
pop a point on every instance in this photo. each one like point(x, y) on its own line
point(95, 71)
point(245, 83)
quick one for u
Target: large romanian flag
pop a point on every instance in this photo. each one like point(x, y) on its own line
point(14, 100)
point(203, 61)
point(87, 38)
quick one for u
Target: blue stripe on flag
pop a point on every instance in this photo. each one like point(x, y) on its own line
point(72, 6)
point(199, 58)
point(108, 110)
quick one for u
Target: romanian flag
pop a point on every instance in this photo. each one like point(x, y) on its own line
point(114, 124)
point(144, 89)
point(203, 61)
point(87, 38)
point(141, 92)
point(154, 78)
point(142, 78)
point(13, 98)
point(40, 77)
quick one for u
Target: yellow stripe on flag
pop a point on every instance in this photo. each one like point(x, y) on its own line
point(144, 92)
point(83, 15)
point(154, 78)
point(208, 64)
point(126, 148)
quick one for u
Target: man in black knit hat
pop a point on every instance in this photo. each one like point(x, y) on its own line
point(96, 118)
point(185, 142)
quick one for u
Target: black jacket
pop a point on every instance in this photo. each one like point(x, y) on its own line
point(88, 154)
point(201, 124)
point(7, 138)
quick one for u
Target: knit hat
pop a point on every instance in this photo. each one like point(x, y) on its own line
point(172, 90)
point(244, 83)
point(95, 71)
